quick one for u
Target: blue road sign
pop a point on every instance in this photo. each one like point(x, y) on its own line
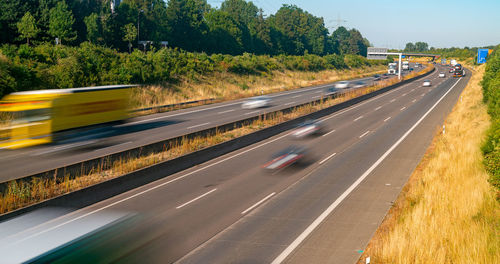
point(402, 56)
point(481, 55)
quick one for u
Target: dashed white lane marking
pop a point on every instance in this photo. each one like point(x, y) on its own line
point(297, 96)
point(289, 103)
point(378, 108)
point(318, 91)
point(281, 257)
point(393, 100)
point(227, 111)
point(258, 203)
point(199, 125)
point(328, 133)
point(196, 199)
point(317, 96)
point(403, 94)
point(387, 119)
point(55, 149)
point(327, 158)
point(364, 134)
point(403, 108)
point(414, 100)
point(423, 94)
point(358, 118)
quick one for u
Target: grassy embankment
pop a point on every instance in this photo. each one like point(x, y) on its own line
point(447, 212)
point(229, 86)
point(21, 193)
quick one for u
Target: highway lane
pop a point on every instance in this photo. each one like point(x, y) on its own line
point(141, 131)
point(251, 216)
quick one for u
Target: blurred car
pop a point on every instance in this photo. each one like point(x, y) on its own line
point(359, 84)
point(416, 65)
point(377, 77)
point(411, 69)
point(256, 102)
point(308, 128)
point(332, 92)
point(285, 158)
point(441, 75)
point(426, 83)
point(452, 70)
point(385, 76)
point(342, 85)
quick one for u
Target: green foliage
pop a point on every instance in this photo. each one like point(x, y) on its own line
point(491, 91)
point(92, 24)
point(47, 66)
point(417, 47)
point(129, 34)
point(27, 27)
point(61, 22)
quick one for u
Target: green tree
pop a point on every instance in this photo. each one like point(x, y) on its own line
point(186, 24)
point(421, 46)
point(340, 38)
point(225, 34)
point(61, 22)
point(410, 47)
point(129, 35)
point(92, 24)
point(27, 27)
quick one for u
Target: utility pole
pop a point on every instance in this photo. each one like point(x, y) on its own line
point(138, 24)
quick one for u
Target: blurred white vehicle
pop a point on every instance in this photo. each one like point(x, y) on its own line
point(441, 75)
point(285, 158)
point(256, 102)
point(308, 128)
point(342, 85)
point(359, 84)
point(426, 83)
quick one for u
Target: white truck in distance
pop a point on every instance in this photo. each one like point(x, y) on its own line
point(453, 62)
point(392, 68)
point(406, 65)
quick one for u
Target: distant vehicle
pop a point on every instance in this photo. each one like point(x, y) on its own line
point(377, 77)
point(392, 68)
point(406, 65)
point(343, 85)
point(453, 62)
point(308, 128)
point(43, 116)
point(418, 65)
point(441, 75)
point(427, 83)
point(459, 71)
point(385, 76)
point(411, 69)
point(359, 84)
point(256, 102)
point(285, 158)
point(451, 70)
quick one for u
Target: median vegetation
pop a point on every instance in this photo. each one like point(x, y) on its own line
point(21, 193)
point(447, 212)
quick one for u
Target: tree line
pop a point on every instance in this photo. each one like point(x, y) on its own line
point(236, 27)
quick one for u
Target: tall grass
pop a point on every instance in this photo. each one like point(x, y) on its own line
point(228, 86)
point(23, 193)
point(447, 212)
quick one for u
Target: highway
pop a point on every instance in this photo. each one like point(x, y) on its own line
point(141, 131)
point(325, 210)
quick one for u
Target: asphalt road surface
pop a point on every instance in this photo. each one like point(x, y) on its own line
point(325, 210)
point(142, 131)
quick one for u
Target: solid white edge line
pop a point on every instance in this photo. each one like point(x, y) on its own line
point(280, 258)
point(199, 125)
point(327, 158)
point(196, 199)
point(206, 167)
point(258, 203)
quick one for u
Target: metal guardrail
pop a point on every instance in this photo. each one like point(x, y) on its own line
point(104, 190)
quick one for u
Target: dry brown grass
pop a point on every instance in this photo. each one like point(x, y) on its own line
point(23, 193)
point(447, 211)
point(227, 86)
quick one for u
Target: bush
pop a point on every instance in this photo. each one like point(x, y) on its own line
point(491, 91)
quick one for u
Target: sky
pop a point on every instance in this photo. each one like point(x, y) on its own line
point(393, 23)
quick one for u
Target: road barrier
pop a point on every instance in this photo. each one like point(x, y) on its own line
point(107, 189)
